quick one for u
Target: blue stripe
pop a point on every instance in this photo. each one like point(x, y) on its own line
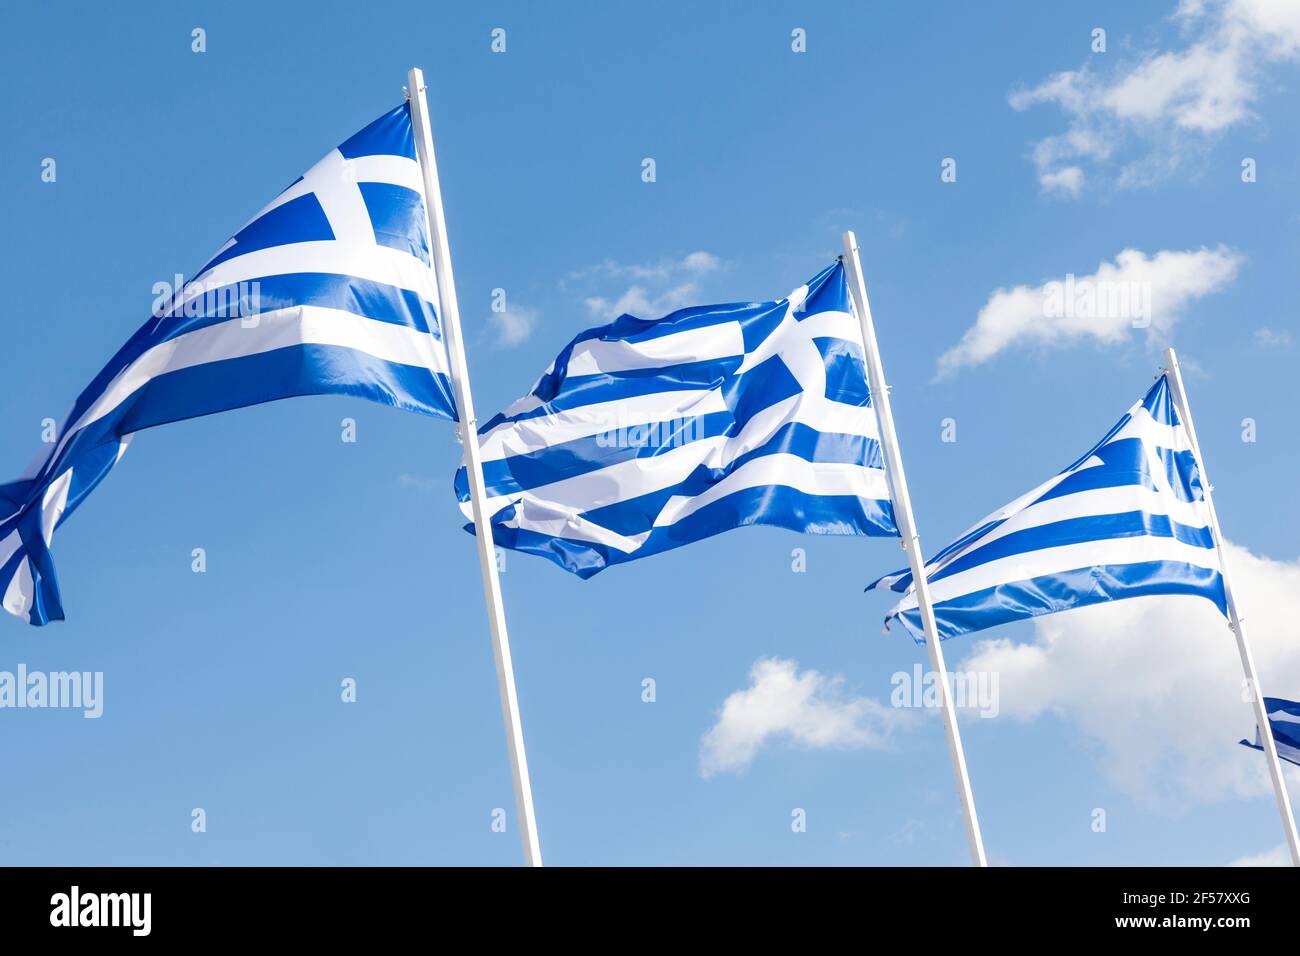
point(390, 135)
point(301, 219)
point(1293, 757)
point(1080, 587)
point(371, 300)
point(518, 473)
point(846, 372)
point(1159, 403)
point(1123, 463)
point(363, 297)
point(398, 217)
point(1078, 530)
point(506, 476)
point(583, 390)
point(828, 291)
point(1284, 732)
point(265, 377)
point(1280, 705)
point(632, 516)
point(774, 505)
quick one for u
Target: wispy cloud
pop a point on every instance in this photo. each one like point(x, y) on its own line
point(1135, 292)
point(1272, 338)
point(514, 326)
point(807, 709)
point(416, 482)
point(649, 290)
point(1149, 113)
point(1278, 856)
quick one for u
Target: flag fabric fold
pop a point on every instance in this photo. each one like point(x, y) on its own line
point(645, 435)
point(1127, 519)
point(327, 290)
point(1284, 722)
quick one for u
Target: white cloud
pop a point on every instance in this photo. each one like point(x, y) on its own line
point(808, 709)
point(1278, 856)
point(418, 482)
point(1156, 682)
point(1134, 292)
point(1269, 338)
point(1067, 179)
point(513, 326)
point(1168, 99)
point(701, 262)
point(655, 289)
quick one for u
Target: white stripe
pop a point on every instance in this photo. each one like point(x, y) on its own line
point(833, 324)
point(617, 482)
point(382, 264)
point(535, 434)
point(53, 503)
point(712, 342)
point(792, 331)
point(532, 514)
point(384, 168)
point(21, 591)
point(640, 476)
point(810, 477)
point(558, 427)
point(1151, 432)
point(822, 416)
point(1048, 561)
point(282, 328)
point(815, 478)
point(397, 170)
point(11, 543)
point(1096, 502)
point(1023, 512)
point(838, 419)
point(334, 181)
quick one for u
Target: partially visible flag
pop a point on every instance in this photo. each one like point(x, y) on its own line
point(1284, 721)
point(329, 289)
point(645, 435)
point(1127, 519)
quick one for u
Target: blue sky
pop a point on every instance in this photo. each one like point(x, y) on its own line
point(328, 560)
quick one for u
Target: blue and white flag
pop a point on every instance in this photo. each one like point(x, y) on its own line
point(1127, 519)
point(328, 290)
point(645, 435)
point(1284, 721)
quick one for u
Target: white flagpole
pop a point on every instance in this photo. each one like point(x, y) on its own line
point(450, 315)
point(912, 542)
point(1235, 622)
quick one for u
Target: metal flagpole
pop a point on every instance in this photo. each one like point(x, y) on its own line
point(911, 542)
point(1235, 621)
point(450, 315)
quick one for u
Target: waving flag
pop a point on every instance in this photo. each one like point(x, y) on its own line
point(328, 290)
point(1284, 721)
point(1127, 519)
point(645, 435)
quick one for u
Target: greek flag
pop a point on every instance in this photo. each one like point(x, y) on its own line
point(329, 289)
point(1127, 519)
point(645, 435)
point(1284, 721)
